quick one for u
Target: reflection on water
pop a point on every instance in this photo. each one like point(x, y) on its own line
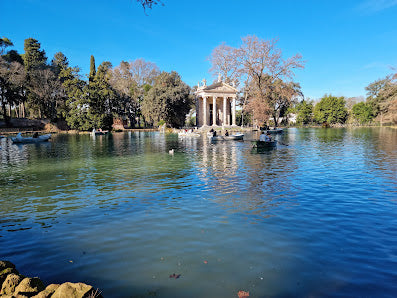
point(313, 217)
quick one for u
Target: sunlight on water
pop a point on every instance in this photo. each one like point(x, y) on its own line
point(314, 217)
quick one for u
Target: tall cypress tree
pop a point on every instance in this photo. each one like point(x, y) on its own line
point(92, 69)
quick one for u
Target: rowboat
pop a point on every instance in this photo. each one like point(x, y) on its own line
point(235, 137)
point(99, 132)
point(19, 139)
point(275, 131)
point(264, 144)
point(188, 134)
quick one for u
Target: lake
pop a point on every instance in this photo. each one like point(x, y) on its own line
point(315, 217)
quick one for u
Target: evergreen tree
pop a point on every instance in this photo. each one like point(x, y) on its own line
point(330, 110)
point(363, 112)
point(77, 109)
point(102, 99)
point(304, 112)
point(91, 76)
point(168, 100)
point(34, 58)
point(34, 61)
point(59, 62)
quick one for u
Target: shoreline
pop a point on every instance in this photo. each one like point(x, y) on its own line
point(14, 284)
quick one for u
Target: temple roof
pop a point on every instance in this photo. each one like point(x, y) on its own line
point(218, 87)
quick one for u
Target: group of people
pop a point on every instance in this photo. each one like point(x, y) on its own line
point(214, 133)
point(265, 137)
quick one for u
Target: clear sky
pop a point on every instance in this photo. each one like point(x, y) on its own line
point(346, 44)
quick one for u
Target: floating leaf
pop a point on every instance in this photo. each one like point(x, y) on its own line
point(243, 294)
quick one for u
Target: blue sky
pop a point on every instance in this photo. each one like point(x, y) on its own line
point(346, 44)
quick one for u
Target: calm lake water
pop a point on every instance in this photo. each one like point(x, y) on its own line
point(315, 218)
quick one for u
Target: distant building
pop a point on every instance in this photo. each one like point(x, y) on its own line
point(216, 104)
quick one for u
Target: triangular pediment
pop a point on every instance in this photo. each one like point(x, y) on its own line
point(220, 87)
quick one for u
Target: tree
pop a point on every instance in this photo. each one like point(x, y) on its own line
point(330, 110)
point(77, 109)
point(101, 97)
point(267, 77)
point(12, 77)
point(59, 62)
point(168, 100)
point(363, 112)
point(149, 3)
point(34, 58)
point(224, 63)
point(304, 112)
point(4, 43)
point(46, 90)
point(382, 96)
point(268, 73)
point(130, 79)
point(92, 73)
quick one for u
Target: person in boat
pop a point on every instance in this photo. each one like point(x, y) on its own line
point(226, 133)
point(36, 135)
point(268, 137)
point(214, 133)
point(262, 137)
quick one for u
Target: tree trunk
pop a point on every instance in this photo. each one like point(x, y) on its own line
point(5, 116)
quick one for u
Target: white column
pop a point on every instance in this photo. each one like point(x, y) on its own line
point(197, 111)
point(224, 111)
point(234, 111)
point(214, 110)
point(204, 110)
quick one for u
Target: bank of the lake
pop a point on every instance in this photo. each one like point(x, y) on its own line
point(314, 217)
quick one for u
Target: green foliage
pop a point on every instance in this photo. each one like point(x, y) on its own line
point(92, 73)
point(59, 62)
point(160, 123)
point(169, 99)
point(304, 112)
point(13, 56)
point(239, 118)
point(101, 98)
point(382, 97)
point(76, 108)
point(4, 43)
point(363, 112)
point(34, 58)
point(330, 110)
point(12, 76)
point(191, 121)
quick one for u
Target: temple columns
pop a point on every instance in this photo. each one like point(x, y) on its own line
point(234, 111)
point(224, 111)
point(214, 111)
point(204, 110)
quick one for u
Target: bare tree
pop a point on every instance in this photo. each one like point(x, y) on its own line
point(149, 3)
point(224, 62)
point(262, 64)
point(267, 77)
point(47, 90)
point(130, 79)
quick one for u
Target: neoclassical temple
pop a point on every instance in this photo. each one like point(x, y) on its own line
point(216, 104)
